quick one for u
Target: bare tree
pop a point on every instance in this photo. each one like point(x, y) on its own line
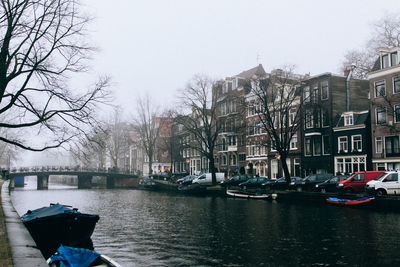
point(276, 100)
point(201, 122)
point(385, 33)
point(147, 126)
point(42, 44)
point(118, 134)
point(91, 150)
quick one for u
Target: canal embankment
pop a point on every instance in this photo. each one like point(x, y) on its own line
point(17, 246)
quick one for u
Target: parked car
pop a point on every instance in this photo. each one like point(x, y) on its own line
point(255, 182)
point(176, 176)
point(310, 181)
point(331, 184)
point(206, 178)
point(387, 184)
point(187, 179)
point(236, 180)
point(280, 184)
point(358, 181)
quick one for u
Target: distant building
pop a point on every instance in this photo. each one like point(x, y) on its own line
point(384, 83)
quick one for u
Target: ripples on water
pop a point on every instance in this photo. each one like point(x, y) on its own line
point(143, 228)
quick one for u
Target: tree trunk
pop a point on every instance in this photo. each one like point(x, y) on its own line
point(212, 170)
point(285, 168)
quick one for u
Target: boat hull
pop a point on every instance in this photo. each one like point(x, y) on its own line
point(349, 202)
point(235, 193)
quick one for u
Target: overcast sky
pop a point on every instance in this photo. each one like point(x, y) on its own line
point(157, 46)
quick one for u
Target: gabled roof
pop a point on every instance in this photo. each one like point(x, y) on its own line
point(256, 71)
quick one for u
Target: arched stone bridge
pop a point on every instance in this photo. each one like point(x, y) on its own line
point(114, 179)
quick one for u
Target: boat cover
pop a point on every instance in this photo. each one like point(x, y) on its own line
point(74, 257)
point(53, 210)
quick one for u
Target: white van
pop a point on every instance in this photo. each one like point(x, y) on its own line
point(206, 178)
point(386, 184)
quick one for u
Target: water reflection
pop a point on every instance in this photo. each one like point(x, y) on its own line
point(141, 228)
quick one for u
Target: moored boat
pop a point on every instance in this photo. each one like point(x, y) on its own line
point(147, 183)
point(58, 224)
point(241, 194)
point(349, 202)
point(80, 257)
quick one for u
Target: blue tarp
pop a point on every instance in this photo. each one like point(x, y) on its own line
point(53, 210)
point(74, 257)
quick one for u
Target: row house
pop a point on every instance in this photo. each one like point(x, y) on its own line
point(384, 83)
point(352, 138)
point(185, 158)
point(261, 154)
point(229, 98)
point(325, 98)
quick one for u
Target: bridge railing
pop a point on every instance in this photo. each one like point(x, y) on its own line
point(71, 169)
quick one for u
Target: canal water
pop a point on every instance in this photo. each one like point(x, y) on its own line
point(144, 228)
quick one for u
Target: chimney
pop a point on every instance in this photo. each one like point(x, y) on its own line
point(348, 73)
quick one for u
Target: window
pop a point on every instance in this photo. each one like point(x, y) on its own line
point(392, 145)
point(242, 157)
point(233, 161)
point(396, 85)
point(293, 142)
point(378, 144)
point(381, 166)
point(223, 108)
point(348, 120)
point(325, 118)
point(324, 90)
point(356, 143)
point(233, 106)
point(276, 118)
point(317, 146)
point(308, 119)
point(317, 118)
point(223, 160)
point(397, 113)
point(224, 144)
point(391, 178)
point(380, 115)
point(393, 59)
point(315, 94)
point(385, 61)
point(307, 94)
point(292, 116)
point(326, 146)
point(359, 177)
point(380, 88)
point(342, 141)
point(307, 146)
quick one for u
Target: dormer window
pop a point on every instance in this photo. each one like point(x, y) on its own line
point(394, 59)
point(385, 61)
point(348, 119)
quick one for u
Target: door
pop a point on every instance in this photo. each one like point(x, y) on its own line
point(358, 182)
point(391, 183)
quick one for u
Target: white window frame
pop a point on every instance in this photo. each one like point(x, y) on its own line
point(323, 145)
point(318, 137)
point(327, 89)
point(376, 144)
point(305, 146)
point(394, 113)
point(394, 81)
point(376, 92)
point(353, 143)
point(293, 142)
point(344, 142)
point(376, 116)
point(348, 119)
point(307, 94)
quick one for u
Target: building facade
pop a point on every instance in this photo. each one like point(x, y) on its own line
point(325, 97)
point(384, 84)
point(352, 139)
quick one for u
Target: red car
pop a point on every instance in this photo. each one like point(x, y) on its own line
point(358, 181)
